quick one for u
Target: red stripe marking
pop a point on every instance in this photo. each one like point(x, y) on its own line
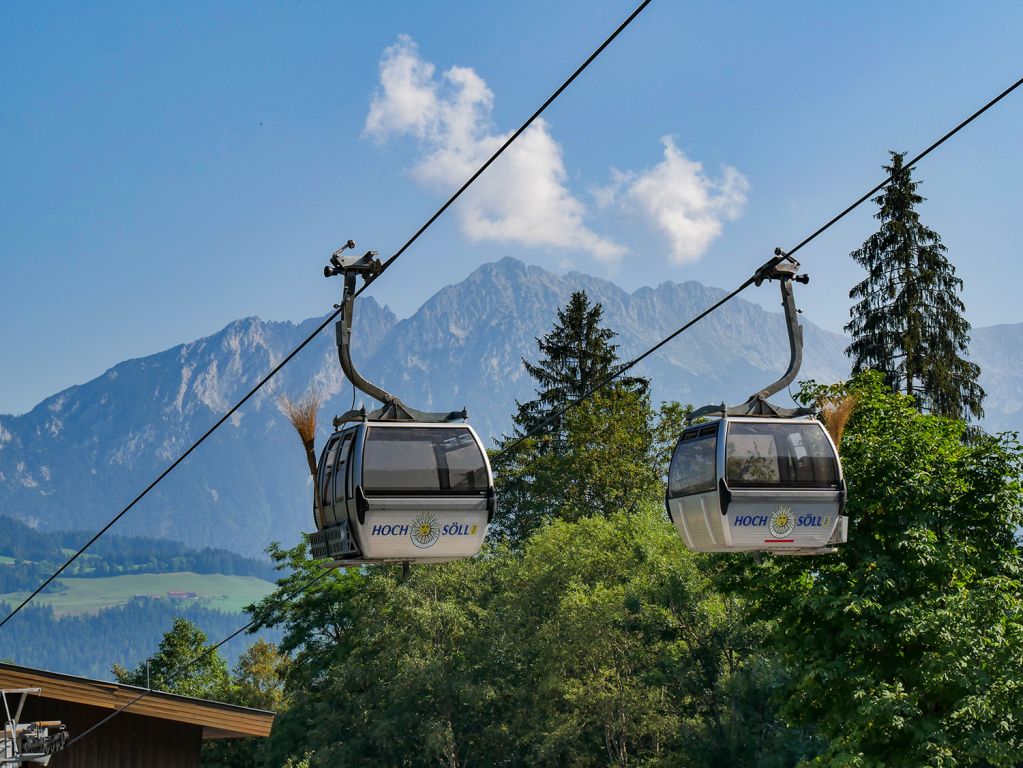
point(779, 541)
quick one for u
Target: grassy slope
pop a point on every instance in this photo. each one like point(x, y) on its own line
point(226, 593)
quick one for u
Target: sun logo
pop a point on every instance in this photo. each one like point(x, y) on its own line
point(782, 522)
point(425, 531)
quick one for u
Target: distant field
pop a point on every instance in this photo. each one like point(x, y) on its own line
point(4, 560)
point(217, 591)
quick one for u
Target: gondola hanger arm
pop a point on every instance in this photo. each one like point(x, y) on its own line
point(785, 269)
point(350, 267)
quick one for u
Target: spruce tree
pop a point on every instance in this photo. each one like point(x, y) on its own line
point(908, 321)
point(574, 356)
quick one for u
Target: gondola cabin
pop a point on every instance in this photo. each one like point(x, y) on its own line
point(391, 492)
point(757, 484)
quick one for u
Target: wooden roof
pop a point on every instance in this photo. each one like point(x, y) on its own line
point(218, 721)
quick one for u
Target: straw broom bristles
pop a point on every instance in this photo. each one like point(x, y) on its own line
point(835, 414)
point(302, 415)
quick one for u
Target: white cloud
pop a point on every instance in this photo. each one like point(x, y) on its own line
point(680, 200)
point(522, 198)
point(407, 99)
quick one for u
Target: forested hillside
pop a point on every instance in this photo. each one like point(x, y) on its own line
point(113, 603)
point(28, 556)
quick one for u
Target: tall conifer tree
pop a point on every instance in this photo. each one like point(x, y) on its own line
point(574, 356)
point(908, 321)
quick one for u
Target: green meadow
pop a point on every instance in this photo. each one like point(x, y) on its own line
point(216, 591)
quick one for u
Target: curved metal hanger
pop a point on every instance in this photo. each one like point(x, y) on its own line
point(782, 268)
point(393, 408)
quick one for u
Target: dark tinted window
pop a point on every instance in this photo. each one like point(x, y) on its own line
point(342, 464)
point(327, 460)
point(693, 463)
point(422, 460)
point(779, 455)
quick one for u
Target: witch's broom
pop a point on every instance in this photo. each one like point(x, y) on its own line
point(302, 415)
point(835, 414)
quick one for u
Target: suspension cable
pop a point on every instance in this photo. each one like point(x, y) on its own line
point(507, 143)
point(859, 201)
point(333, 315)
point(908, 165)
point(506, 449)
point(559, 412)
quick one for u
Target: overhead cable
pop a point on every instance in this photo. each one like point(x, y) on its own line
point(333, 316)
point(559, 412)
point(749, 281)
point(866, 196)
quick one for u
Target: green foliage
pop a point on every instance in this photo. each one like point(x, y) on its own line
point(615, 650)
point(257, 681)
point(589, 636)
point(385, 657)
point(908, 321)
point(183, 664)
point(906, 648)
point(574, 357)
point(318, 623)
point(602, 642)
point(586, 636)
point(258, 678)
point(613, 456)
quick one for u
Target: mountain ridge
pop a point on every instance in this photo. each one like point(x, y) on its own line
point(81, 453)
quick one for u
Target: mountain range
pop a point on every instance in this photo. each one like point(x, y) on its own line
point(81, 454)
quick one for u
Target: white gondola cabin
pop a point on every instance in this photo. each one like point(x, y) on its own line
point(390, 492)
point(396, 485)
point(759, 477)
point(755, 484)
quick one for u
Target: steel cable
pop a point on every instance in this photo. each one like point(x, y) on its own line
point(333, 316)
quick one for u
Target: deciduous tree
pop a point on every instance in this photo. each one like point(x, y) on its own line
point(906, 648)
point(183, 664)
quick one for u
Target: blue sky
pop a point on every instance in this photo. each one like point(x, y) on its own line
point(171, 167)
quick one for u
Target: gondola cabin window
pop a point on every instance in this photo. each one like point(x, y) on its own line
point(340, 473)
point(693, 466)
point(466, 471)
point(423, 460)
point(791, 455)
point(327, 470)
